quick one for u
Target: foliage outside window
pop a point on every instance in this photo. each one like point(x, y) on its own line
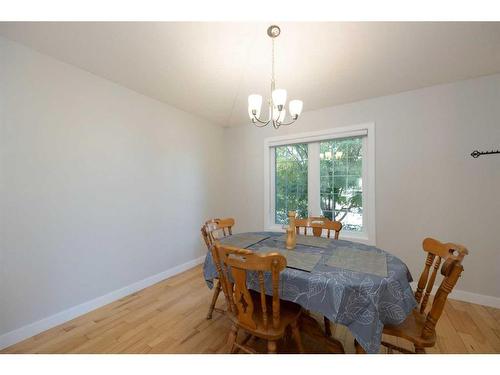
point(341, 189)
point(290, 181)
point(340, 180)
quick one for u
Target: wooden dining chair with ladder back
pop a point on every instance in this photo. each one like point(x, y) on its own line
point(258, 314)
point(316, 226)
point(420, 326)
point(210, 231)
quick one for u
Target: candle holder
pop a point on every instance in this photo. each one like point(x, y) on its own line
point(291, 235)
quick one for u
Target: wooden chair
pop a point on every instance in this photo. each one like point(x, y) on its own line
point(317, 225)
point(209, 233)
point(205, 229)
point(420, 328)
point(217, 228)
point(249, 309)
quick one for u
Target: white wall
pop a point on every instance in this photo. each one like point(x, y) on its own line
point(427, 184)
point(100, 186)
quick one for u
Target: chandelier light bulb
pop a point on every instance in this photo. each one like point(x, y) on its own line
point(279, 97)
point(295, 107)
point(254, 104)
point(277, 115)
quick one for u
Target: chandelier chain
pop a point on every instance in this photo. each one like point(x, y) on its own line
point(273, 79)
point(273, 86)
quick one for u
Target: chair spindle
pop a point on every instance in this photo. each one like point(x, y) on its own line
point(276, 297)
point(422, 282)
point(263, 297)
point(430, 284)
point(452, 270)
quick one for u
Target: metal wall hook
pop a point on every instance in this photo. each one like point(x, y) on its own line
point(475, 154)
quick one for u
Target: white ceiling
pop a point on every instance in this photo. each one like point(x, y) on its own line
point(209, 69)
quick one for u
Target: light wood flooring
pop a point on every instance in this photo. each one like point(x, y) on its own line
point(170, 317)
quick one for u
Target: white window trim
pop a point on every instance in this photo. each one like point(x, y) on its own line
point(369, 234)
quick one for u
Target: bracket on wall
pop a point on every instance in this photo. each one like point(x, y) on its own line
point(475, 154)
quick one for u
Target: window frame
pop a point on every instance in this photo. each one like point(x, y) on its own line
point(313, 138)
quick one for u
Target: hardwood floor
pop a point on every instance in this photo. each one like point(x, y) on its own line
point(169, 317)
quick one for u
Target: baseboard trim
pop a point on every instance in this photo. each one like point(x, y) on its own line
point(22, 333)
point(462, 295)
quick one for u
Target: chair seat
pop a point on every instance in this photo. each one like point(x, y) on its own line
point(411, 330)
point(289, 312)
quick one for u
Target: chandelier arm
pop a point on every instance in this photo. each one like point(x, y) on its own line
point(289, 123)
point(261, 126)
point(259, 120)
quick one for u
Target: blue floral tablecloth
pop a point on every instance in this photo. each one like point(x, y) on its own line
point(363, 302)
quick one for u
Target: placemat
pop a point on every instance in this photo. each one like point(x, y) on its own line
point(309, 241)
point(243, 240)
point(295, 259)
point(359, 261)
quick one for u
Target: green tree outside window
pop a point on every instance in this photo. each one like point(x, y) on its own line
point(290, 181)
point(341, 188)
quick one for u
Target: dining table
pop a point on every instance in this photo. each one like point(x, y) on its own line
point(359, 286)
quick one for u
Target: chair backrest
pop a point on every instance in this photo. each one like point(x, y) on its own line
point(234, 264)
point(318, 224)
point(216, 227)
point(205, 232)
point(209, 232)
point(437, 252)
point(211, 228)
point(451, 270)
point(226, 225)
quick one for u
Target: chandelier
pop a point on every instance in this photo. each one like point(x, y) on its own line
point(277, 101)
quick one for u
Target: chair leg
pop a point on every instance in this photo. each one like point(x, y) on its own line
point(214, 299)
point(328, 328)
point(296, 336)
point(231, 340)
point(358, 347)
point(271, 347)
point(419, 350)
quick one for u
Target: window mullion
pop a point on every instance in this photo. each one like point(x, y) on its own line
point(272, 186)
point(313, 180)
